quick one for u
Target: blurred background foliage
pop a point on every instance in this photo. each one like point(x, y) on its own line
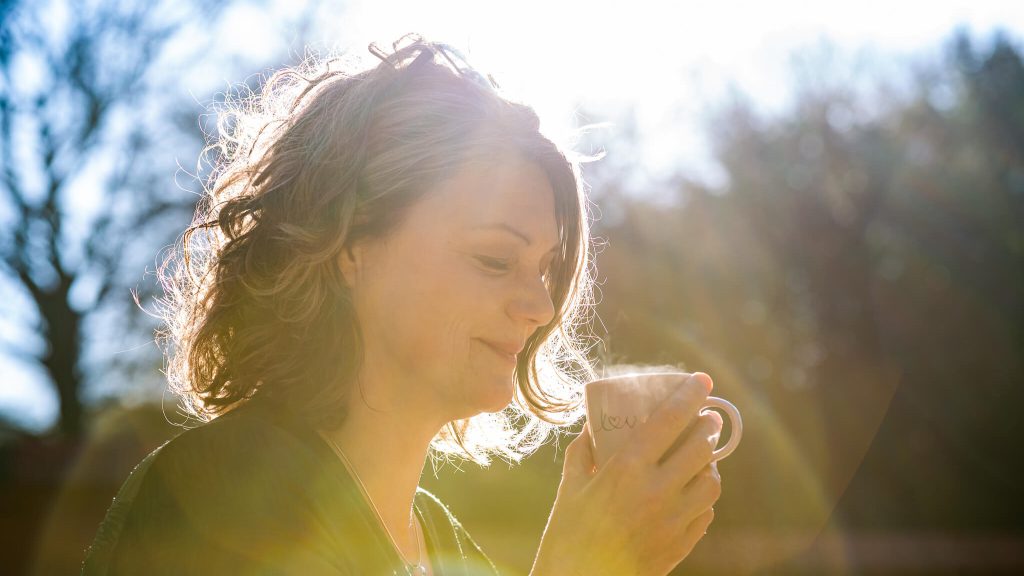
point(853, 282)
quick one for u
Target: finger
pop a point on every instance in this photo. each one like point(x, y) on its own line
point(696, 451)
point(671, 418)
point(579, 459)
point(705, 520)
point(700, 494)
point(695, 531)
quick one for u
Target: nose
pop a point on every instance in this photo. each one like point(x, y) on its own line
point(533, 303)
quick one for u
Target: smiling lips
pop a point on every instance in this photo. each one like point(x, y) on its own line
point(505, 351)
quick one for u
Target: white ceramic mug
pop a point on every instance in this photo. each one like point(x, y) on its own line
point(618, 404)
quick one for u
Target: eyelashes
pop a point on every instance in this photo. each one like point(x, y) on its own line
point(498, 264)
point(504, 265)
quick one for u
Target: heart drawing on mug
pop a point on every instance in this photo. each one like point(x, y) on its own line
point(609, 422)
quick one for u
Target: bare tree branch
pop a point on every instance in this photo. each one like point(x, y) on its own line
point(57, 135)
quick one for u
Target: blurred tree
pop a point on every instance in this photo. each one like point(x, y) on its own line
point(855, 288)
point(948, 257)
point(82, 180)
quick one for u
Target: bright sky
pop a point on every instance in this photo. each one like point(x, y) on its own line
point(668, 59)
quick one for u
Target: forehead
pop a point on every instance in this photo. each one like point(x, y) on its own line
point(513, 191)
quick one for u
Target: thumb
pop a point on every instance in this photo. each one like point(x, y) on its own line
point(579, 459)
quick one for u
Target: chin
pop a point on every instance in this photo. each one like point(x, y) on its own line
point(498, 406)
point(498, 398)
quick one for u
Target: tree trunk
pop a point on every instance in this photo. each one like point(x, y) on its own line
point(63, 334)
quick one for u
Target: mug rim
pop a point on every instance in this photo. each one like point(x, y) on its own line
point(635, 374)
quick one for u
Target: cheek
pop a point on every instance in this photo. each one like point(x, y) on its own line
point(426, 317)
point(464, 307)
point(441, 316)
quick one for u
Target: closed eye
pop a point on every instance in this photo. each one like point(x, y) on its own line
point(501, 264)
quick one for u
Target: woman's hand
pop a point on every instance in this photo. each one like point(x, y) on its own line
point(637, 516)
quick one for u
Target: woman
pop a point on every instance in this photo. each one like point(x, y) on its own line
point(390, 261)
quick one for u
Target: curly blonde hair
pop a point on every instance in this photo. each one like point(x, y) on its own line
point(328, 154)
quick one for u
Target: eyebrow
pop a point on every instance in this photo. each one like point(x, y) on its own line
point(507, 228)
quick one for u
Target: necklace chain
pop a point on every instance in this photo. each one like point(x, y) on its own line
point(409, 567)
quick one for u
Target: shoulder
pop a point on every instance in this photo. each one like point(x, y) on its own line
point(247, 432)
point(229, 462)
point(221, 462)
point(236, 444)
point(229, 494)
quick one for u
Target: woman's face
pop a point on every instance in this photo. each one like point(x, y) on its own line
point(460, 279)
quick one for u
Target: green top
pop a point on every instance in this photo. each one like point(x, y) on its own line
point(257, 492)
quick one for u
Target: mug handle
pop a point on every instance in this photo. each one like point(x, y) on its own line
point(737, 425)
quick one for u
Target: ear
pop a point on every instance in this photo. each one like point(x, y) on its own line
point(350, 263)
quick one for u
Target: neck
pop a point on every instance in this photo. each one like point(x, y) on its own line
point(387, 446)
